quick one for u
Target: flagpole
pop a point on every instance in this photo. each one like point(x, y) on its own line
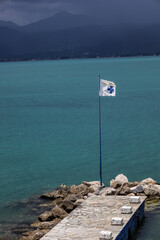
point(100, 145)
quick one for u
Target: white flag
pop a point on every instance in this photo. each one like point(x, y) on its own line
point(107, 88)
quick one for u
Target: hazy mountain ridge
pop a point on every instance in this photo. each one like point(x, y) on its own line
point(9, 25)
point(66, 38)
point(62, 20)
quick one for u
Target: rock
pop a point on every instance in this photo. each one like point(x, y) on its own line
point(80, 189)
point(55, 212)
point(44, 205)
point(152, 190)
point(86, 191)
point(57, 201)
point(68, 206)
point(90, 194)
point(115, 184)
point(121, 178)
point(23, 238)
point(60, 194)
point(91, 190)
point(148, 181)
point(108, 191)
point(63, 187)
point(158, 187)
point(71, 197)
point(137, 189)
point(46, 216)
point(35, 235)
point(58, 212)
point(49, 195)
point(133, 184)
point(131, 194)
point(77, 189)
point(78, 202)
point(46, 225)
point(140, 194)
point(54, 195)
point(79, 196)
point(123, 190)
point(94, 184)
point(88, 184)
point(36, 224)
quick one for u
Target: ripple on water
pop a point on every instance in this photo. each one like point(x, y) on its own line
point(24, 213)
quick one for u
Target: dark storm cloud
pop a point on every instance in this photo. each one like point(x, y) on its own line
point(25, 11)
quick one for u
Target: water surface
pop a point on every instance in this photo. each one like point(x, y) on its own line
point(49, 126)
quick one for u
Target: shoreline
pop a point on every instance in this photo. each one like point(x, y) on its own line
point(48, 209)
point(65, 199)
point(75, 58)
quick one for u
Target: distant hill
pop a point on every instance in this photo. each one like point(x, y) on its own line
point(62, 20)
point(9, 25)
point(76, 39)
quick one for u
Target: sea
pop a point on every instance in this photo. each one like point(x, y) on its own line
point(49, 131)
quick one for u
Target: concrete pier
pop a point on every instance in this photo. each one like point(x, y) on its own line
point(96, 216)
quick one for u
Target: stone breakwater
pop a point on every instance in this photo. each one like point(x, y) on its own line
point(65, 199)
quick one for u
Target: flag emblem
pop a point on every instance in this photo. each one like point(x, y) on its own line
point(107, 88)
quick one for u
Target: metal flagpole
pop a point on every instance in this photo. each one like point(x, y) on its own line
point(100, 147)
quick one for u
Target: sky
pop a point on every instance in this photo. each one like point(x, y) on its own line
point(23, 12)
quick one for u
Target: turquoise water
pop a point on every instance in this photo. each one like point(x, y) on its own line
point(49, 124)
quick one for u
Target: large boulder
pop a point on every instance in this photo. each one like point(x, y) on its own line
point(94, 184)
point(121, 178)
point(76, 189)
point(88, 184)
point(78, 202)
point(137, 189)
point(115, 184)
point(58, 212)
point(79, 196)
point(68, 206)
point(148, 181)
point(108, 191)
point(57, 201)
point(130, 194)
point(63, 187)
point(46, 225)
point(46, 216)
point(36, 235)
point(152, 190)
point(123, 190)
point(54, 195)
point(80, 189)
point(133, 184)
point(55, 212)
point(72, 197)
point(86, 191)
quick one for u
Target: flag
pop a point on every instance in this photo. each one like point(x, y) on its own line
point(107, 88)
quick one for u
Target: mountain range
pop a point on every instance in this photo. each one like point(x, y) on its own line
point(67, 35)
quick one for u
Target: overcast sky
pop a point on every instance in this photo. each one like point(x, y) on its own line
point(26, 11)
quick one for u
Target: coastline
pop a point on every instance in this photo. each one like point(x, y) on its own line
point(137, 160)
point(76, 58)
point(42, 217)
point(64, 199)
